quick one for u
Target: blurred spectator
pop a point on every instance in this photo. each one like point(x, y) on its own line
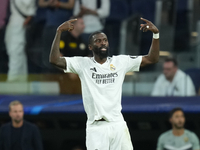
point(173, 81)
point(3, 12)
point(94, 12)
point(19, 134)
point(71, 43)
point(178, 138)
point(3, 20)
point(21, 14)
point(58, 11)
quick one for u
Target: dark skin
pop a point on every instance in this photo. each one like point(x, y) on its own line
point(100, 40)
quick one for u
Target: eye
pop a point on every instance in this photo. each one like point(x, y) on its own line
point(99, 41)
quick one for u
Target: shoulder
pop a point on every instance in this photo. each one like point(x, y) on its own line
point(125, 57)
point(180, 73)
point(161, 77)
point(7, 125)
point(165, 135)
point(77, 59)
point(190, 134)
point(30, 125)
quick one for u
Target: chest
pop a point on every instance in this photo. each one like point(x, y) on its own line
point(103, 75)
point(90, 4)
point(178, 143)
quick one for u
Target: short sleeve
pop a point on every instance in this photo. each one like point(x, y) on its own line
point(159, 144)
point(132, 63)
point(195, 142)
point(73, 64)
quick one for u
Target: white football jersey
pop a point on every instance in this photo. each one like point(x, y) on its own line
point(102, 84)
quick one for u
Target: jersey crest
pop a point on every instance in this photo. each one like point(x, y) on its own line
point(112, 67)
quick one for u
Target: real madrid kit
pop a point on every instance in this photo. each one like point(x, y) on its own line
point(101, 91)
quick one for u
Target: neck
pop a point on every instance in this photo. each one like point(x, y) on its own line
point(171, 79)
point(17, 125)
point(75, 34)
point(178, 132)
point(99, 59)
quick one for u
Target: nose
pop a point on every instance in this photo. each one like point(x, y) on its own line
point(103, 42)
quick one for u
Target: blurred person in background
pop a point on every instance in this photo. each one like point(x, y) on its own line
point(71, 43)
point(3, 20)
point(21, 15)
point(57, 12)
point(94, 13)
point(19, 134)
point(178, 138)
point(173, 81)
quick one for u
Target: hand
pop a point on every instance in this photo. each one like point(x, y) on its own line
point(67, 26)
point(27, 20)
point(52, 3)
point(83, 11)
point(148, 26)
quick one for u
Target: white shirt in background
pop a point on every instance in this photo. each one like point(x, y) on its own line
point(181, 85)
point(102, 84)
point(92, 22)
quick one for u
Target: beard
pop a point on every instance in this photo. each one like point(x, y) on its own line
point(179, 126)
point(17, 120)
point(100, 53)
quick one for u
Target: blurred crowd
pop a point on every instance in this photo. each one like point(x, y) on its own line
point(27, 23)
point(27, 29)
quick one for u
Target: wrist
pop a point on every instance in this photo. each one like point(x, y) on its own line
point(156, 35)
point(59, 30)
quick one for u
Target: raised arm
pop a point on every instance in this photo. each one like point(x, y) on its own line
point(54, 57)
point(153, 55)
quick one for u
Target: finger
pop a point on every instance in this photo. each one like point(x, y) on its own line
point(72, 26)
point(72, 20)
point(145, 30)
point(143, 26)
point(144, 20)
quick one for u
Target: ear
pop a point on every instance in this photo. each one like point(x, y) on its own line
point(90, 47)
point(9, 113)
point(170, 120)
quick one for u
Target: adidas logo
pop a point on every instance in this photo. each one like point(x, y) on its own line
point(93, 69)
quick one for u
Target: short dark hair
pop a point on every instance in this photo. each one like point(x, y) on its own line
point(91, 36)
point(175, 110)
point(171, 59)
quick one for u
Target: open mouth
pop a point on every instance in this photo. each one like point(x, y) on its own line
point(103, 49)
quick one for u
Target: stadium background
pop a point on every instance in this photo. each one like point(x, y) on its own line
point(53, 102)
